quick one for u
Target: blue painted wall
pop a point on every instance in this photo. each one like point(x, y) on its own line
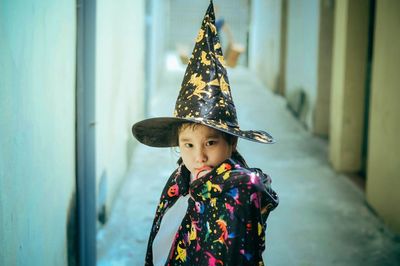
point(37, 129)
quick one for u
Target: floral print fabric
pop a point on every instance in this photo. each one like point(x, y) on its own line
point(225, 221)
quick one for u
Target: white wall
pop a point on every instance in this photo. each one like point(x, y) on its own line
point(119, 89)
point(37, 129)
point(264, 47)
point(302, 51)
point(157, 42)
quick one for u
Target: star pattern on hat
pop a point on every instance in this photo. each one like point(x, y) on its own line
point(204, 97)
point(205, 92)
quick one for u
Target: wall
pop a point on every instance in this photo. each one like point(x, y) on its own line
point(302, 52)
point(119, 90)
point(383, 180)
point(37, 128)
point(349, 77)
point(321, 114)
point(158, 14)
point(264, 44)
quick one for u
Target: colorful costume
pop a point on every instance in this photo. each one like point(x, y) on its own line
point(226, 217)
point(225, 221)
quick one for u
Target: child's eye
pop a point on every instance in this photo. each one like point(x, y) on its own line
point(210, 142)
point(188, 145)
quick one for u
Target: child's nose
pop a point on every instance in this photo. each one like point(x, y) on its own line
point(201, 156)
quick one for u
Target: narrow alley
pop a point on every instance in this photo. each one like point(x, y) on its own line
point(321, 76)
point(322, 219)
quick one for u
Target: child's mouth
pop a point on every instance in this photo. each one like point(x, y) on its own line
point(202, 171)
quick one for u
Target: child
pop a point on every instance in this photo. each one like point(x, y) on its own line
point(227, 202)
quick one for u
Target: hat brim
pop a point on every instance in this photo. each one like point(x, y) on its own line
point(163, 131)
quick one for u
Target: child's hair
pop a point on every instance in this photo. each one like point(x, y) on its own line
point(230, 139)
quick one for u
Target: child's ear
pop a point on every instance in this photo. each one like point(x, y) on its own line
point(234, 144)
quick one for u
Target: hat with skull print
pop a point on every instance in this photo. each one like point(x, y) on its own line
point(204, 98)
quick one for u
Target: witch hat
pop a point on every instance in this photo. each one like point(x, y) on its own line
point(205, 96)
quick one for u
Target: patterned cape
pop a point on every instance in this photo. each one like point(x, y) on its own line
point(225, 221)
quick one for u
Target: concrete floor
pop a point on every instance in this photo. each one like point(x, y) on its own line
point(322, 219)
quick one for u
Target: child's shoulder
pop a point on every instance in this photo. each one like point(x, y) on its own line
point(251, 180)
point(250, 177)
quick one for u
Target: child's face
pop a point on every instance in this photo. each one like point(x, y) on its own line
point(202, 148)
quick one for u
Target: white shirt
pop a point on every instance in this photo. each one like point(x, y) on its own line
point(169, 226)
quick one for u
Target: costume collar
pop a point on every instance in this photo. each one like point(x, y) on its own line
point(217, 180)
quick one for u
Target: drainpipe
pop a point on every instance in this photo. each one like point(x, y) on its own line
point(85, 131)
